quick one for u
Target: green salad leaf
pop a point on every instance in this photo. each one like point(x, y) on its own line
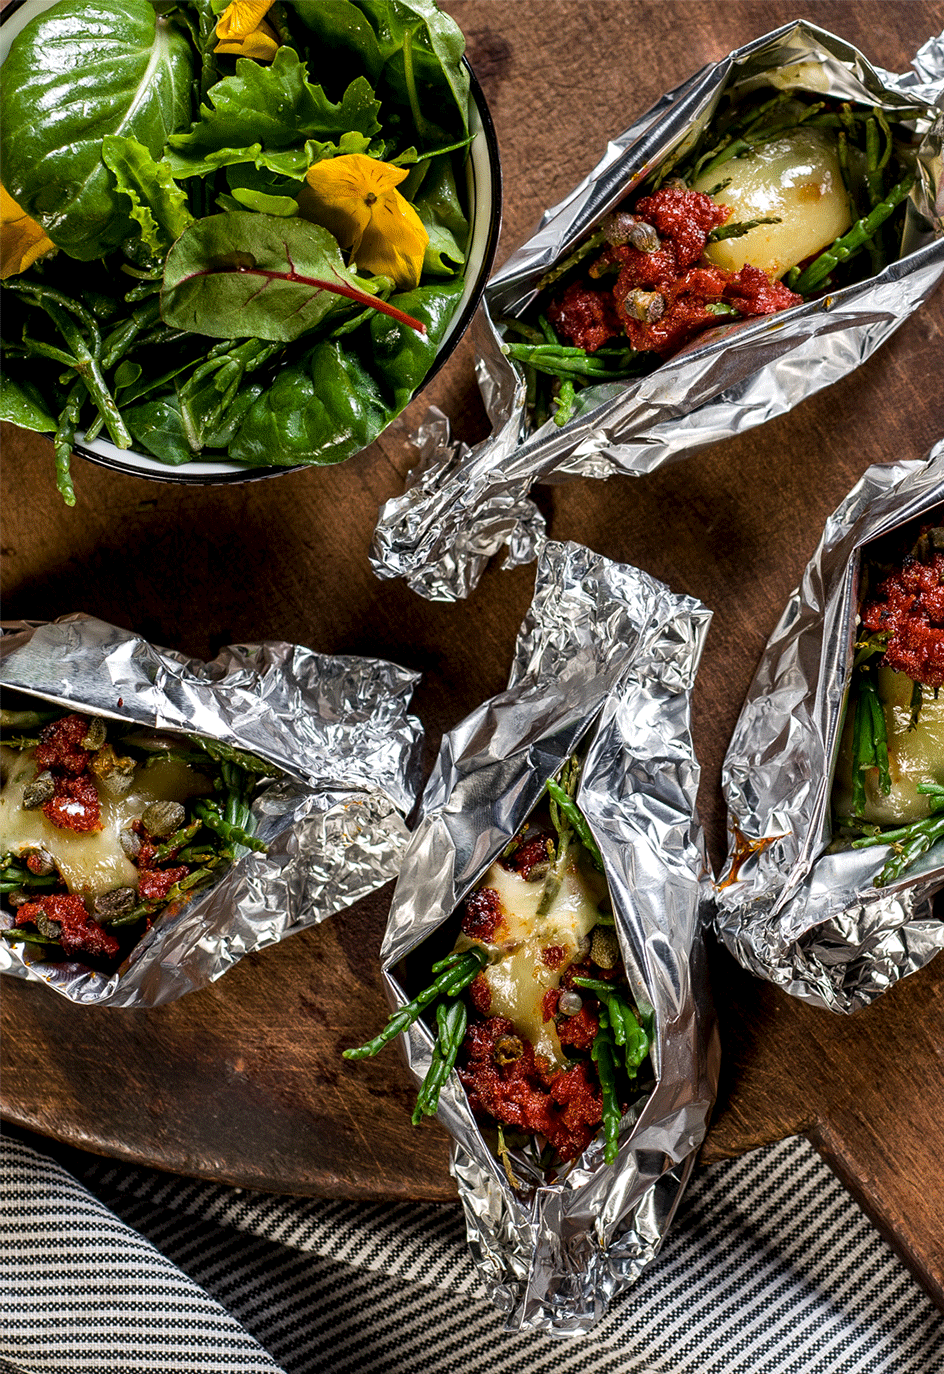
point(338, 397)
point(158, 204)
point(79, 72)
point(22, 405)
point(438, 206)
point(263, 111)
point(407, 47)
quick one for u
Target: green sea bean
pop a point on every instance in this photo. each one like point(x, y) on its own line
point(603, 1056)
point(457, 975)
point(815, 275)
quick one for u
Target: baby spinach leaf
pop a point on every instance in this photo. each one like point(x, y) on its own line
point(158, 427)
point(437, 205)
point(400, 356)
point(76, 73)
point(264, 204)
point(321, 409)
point(271, 109)
point(330, 403)
point(239, 275)
point(207, 404)
point(157, 203)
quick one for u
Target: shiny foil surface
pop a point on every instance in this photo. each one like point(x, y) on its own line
point(605, 660)
point(346, 771)
point(789, 907)
point(461, 507)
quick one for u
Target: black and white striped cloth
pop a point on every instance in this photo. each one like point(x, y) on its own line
point(108, 1269)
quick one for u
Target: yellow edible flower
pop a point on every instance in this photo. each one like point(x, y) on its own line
point(243, 32)
point(355, 198)
point(22, 240)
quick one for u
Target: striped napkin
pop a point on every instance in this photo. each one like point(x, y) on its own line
point(107, 1269)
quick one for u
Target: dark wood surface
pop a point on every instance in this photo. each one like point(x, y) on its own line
point(243, 1082)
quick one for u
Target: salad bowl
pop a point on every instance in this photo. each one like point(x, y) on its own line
point(459, 205)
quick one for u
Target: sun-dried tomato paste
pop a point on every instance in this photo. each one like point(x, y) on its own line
point(660, 297)
point(529, 855)
point(78, 933)
point(520, 1092)
point(483, 913)
point(75, 806)
point(60, 745)
point(155, 883)
point(578, 1032)
point(909, 606)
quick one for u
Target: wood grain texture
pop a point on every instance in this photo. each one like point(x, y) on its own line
point(243, 1082)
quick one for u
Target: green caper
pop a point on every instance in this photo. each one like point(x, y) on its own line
point(162, 818)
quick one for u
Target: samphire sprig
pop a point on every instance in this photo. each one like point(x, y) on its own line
point(908, 842)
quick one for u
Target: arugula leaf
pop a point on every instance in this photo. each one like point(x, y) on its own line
point(157, 203)
point(111, 68)
point(235, 276)
point(264, 110)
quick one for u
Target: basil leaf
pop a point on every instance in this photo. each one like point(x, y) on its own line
point(76, 73)
point(217, 277)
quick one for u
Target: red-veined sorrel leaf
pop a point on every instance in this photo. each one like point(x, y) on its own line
point(245, 275)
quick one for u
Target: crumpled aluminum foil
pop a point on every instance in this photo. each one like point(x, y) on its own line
point(463, 506)
point(788, 909)
point(607, 657)
point(336, 728)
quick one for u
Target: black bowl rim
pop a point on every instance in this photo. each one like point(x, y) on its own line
point(459, 327)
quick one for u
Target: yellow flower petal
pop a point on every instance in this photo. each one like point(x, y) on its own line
point(355, 198)
point(243, 32)
point(241, 17)
point(22, 240)
point(394, 243)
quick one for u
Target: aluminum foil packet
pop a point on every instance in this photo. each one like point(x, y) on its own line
point(791, 906)
point(605, 660)
point(345, 756)
point(462, 506)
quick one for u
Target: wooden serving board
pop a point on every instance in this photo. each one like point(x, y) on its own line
point(243, 1082)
